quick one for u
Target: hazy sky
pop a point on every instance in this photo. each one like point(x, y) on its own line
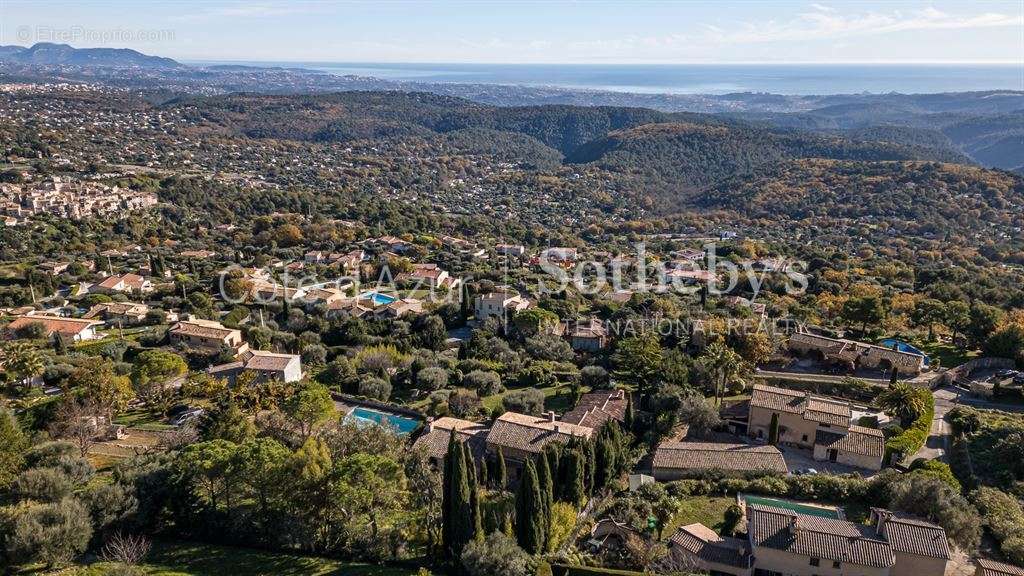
point(554, 31)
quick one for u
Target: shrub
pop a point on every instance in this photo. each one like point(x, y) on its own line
point(485, 382)
point(376, 388)
point(964, 420)
point(731, 519)
point(1004, 517)
point(526, 401)
point(595, 377)
point(497, 555)
point(936, 469)
point(432, 378)
point(913, 438)
point(42, 485)
point(462, 402)
point(52, 534)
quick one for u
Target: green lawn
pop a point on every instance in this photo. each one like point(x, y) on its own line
point(708, 510)
point(181, 559)
point(948, 355)
point(142, 419)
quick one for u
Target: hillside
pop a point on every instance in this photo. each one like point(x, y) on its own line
point(671, 158)
point(913, 197)
point(46, 53)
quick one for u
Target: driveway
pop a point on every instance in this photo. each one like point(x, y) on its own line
point(938, 440)
point(801, 459)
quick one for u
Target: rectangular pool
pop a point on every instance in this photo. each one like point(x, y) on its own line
point(378, 298)
point(794, 506)
point(402, 425)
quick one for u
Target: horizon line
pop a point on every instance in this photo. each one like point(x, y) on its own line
point(631, 62)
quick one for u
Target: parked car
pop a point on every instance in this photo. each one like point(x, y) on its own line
point(187, 415)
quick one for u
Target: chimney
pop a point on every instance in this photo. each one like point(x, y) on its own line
point(551, 416)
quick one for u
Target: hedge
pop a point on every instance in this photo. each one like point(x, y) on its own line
point(562, 570)
point(913, 438)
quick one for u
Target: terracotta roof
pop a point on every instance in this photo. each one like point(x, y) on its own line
point(53, 324)
point(858, 440)
point(708, 546)
point(270, 361)
point(779, 399)
point(435, 441)
point(531, 434)
point(719, 456)
point(202, 329)
point(827, 411)
point(993, 568)
point(815, 537)
point(596, 408)
point(913, 536)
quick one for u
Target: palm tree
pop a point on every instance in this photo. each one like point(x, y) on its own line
point(22, 361)
point(903, 401)
point(723, 365)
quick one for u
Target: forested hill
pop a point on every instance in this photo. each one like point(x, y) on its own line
point(583, 134)
point(904, 177)
point(921, 198)
point(679, 156)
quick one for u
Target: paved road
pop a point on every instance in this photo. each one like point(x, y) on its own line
point(938, 441)
point(829, 378)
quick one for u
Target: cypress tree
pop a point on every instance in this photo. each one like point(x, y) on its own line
point(573, 487)
point(447, 521)
point(546, 483)
point(630, 420)
point(475, 519)
point(591, 466)
point(501, 474)
point(773, 430)
point(460, 524)
point(605, 460)
point(485, 473)
point(529, 526)
point(552, 452)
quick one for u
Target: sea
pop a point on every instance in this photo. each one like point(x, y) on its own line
point(793, 79)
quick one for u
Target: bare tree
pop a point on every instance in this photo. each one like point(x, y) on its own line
point(127, 549)
point(80, 421)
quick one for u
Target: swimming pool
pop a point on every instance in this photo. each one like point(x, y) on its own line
point(378, 298)
point(903, 347)
point(400, 424)
point(795, 507)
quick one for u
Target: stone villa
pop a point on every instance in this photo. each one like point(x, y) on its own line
point(817, 423)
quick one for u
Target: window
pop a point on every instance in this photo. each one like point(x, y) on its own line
point(815, 561)
point(805, 438)
point(835, 564)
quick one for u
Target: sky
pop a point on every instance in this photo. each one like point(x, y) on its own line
point(532, 31)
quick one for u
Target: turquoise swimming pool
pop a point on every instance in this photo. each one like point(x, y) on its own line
point(903, 347)
point(795, 507)
point(402, 425)
point(378, 298)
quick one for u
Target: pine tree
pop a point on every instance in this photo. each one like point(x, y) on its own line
point(773, 430)
point(501, 474)
point(529, 521)
point(573, 489)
